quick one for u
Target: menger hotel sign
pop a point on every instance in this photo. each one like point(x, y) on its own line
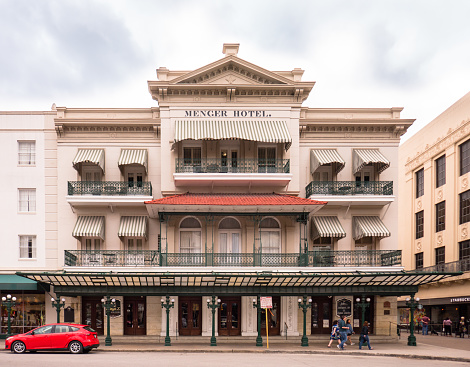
point(226, 113)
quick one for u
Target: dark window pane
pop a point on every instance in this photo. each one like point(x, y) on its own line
point(419, 260)
point(419, 224)
point(440, 216)
point(465, 207)
point(441, 171)
point(420, 183)
point(465, 157)
point(440, 255)
point(464, 250)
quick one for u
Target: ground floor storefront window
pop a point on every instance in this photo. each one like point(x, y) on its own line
point(27, 314)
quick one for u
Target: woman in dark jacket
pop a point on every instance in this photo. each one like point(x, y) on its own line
point(365, 335)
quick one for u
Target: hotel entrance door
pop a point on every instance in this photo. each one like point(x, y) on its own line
point(134, 323)
point(190, 316)
point(274, 318)
point(229, 316)
point(321, 315)
point(92, 313)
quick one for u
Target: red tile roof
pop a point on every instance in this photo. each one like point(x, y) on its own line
point(234, 199)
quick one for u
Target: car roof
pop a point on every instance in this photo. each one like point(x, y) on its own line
point(66, 323)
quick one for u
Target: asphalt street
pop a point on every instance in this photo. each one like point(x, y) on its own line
point(162, 359)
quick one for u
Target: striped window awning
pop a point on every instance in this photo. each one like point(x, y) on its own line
point(133, 156)
point(95, 156)
point(363, 157)
point(133, 226)
point(327, 227)
point(320, 157)
point(89, 226)
point(369, 226)
point(266, 131)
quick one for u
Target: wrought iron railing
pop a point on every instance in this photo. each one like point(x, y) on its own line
point(111, 258)
point(451, 267)
point(113, 188)
point(153, 258)
point(349, 188)
point(208, 165)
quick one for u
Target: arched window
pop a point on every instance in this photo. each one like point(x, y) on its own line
point(229, 236)
point(270, 236)
point(190, 236)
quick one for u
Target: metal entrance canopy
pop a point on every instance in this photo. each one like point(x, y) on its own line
point(232, 282)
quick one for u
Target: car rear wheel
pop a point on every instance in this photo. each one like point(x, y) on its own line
point(18, 347)
point(75, 347)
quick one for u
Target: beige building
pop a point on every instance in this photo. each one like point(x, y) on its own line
point(230, 189)
point(434, 209)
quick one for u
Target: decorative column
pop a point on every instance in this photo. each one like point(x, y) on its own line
point(168, 304)
point(108, 302)
point(412, 304)
point(305, 305)
point(214, 305)
point(58, 305)
point(257, 305)
point(9, 302)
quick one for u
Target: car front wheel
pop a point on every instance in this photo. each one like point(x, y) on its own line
point(75, 347)
point(18, 347)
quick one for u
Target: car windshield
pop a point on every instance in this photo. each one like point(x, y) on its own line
point(87, 328)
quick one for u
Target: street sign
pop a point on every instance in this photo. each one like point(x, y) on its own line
point(266, 302)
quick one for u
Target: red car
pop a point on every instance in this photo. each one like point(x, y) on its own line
point(73, 337)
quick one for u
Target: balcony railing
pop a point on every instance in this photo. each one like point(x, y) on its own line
point(207, 165)
point(452, 267)
point(113, 188)
point(349, 188)
point(104, 258)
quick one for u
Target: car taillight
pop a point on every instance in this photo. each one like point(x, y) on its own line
point(88, 334)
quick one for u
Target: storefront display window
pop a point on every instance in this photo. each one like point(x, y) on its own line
point(27, 314)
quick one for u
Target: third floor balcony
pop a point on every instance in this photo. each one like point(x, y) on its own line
point(351, 192)
point(233, 172)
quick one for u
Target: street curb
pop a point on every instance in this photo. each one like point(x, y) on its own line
point(374, 354)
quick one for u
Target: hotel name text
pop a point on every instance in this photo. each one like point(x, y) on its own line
point(226, 113)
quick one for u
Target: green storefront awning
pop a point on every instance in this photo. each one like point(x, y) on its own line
point(11, 282)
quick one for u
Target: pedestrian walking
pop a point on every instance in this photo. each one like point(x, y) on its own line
point(365, 335)
point(334, 333)
point(343, 332)
point(462, 327)
point(447, 327)
point(350, 331)
point(425, 320)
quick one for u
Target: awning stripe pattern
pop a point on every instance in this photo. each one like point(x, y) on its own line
point(89, 226)
point(133, 226)
point(133, 156)
point(327, 227)
point(320, 157)
point(95, 156)
point(266, 131)
point(369, 226)
point(363, 157)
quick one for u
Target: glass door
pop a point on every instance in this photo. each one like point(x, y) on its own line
point(274, 318)
point(321, 315)
point(229, 316)
point(135, 318)
point(189, 316)
point(92, 313)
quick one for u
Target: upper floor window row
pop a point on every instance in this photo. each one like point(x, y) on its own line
point(26, 153)
point(420, 183)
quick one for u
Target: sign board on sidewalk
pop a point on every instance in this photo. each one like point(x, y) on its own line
point(266, 302)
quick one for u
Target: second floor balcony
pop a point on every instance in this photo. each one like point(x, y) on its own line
point(221, 172)
point(361, 192)
point(108, 192)
point(126, 258)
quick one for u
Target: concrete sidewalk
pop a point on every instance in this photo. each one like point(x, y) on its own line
point(429, 347)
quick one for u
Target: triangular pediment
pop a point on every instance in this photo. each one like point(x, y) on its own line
point(232, 70)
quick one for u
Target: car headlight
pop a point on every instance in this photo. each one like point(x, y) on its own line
point(9, 338)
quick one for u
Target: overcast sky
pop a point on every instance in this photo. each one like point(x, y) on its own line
point(361, 53)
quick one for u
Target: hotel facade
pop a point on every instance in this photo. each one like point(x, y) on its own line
point(229, 190)
point(434, 207)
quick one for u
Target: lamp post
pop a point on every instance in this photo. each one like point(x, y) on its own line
point(257, 305)
point(108, 302)
point(305, 305)
point(9, 302)
point(214, 305)
point(363, 303)
point(58, 305)
point(412, 304)
point(168, 304)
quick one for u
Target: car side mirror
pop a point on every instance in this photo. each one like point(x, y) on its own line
point(32, 332)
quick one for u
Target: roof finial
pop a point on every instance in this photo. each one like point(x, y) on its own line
point(230, 49)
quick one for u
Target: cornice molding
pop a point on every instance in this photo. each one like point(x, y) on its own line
point(441, 144)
